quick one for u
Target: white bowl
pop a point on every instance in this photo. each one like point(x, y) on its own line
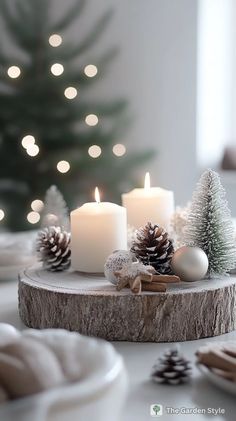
point(99, 395)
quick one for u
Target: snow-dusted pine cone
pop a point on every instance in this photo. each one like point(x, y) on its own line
point(154, 247)
point(171, 368)
point(53, 248)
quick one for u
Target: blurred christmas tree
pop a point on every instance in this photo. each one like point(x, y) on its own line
point(49, 132)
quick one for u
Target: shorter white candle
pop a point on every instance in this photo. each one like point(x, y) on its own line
point(150, 204)
point(97, 229)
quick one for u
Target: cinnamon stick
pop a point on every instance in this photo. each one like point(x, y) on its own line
point(146, 277)
point(159, 278)
point(217, 359)
point(225, 374)
point(135, 285)
point(154, 287)
point(229, 350)
point(122, 283)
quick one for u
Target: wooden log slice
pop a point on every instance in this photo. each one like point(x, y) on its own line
point(92, 306)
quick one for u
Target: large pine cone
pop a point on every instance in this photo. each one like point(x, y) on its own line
point(154, 247)
point(53, 248)
point(172, 368)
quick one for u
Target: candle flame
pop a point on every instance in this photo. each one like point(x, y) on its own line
point(147, 182)
point(97, 195)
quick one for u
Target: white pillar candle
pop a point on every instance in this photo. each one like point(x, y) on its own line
point(150, 204)
point(97, 229)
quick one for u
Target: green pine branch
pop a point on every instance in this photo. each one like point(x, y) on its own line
point(74, 13)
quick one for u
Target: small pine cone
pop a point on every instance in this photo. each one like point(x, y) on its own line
point(53, 248)
point(172, 369)
point(154, 247)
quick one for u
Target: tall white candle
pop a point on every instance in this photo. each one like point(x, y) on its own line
point(150, 204)
point(97, 229)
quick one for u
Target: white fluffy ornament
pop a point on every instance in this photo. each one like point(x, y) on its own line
point(131, 235)
point(178, 223)
point(8, 334)
point(115, 262)
point(190, 263)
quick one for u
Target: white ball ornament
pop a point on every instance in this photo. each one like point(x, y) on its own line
point(115, 262)
point(190, 263)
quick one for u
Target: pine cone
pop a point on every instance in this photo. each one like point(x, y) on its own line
point(53, 248)
point(172, 369)
point(154, 247)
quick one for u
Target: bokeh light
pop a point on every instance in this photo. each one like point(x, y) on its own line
point(37, 205)
point(2, 214)
point(119, 149)
point(55, 40)
point(70, 92)
point(63, 166)
point(57, 69)
point(32, 150)
point(13, 72)
point(90, 70)
point(91, 120)
point(28, 141)
point(33, 217)
point(94, 151)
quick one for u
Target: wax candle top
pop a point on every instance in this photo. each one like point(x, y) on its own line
point(98, 207)
point(153, 191)
point(148, 191)
point(93, 208)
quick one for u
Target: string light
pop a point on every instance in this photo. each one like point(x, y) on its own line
point(119, 149)
point(33, 217)
point(55, 40)
point(70, 92)
point(2, 214)
point(94, 151)
point(37, 205)
point(63, 166)
point(32, 150)
point(13, 72)
point(28, 141)
point(57, 69)
point(90, 70)
point(91, 120)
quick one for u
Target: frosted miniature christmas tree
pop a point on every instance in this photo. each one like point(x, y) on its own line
point(55, 210)
point(209, 225)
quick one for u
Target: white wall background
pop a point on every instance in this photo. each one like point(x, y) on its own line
point(156, 71)
point(216, 109)
point(215, 80)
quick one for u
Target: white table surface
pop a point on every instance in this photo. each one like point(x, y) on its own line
point(139, 358)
